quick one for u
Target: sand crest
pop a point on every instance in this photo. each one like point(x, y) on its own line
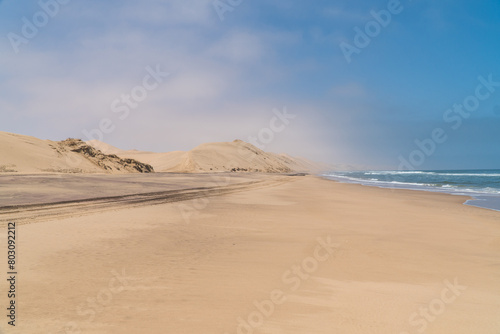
point(26, 154)
point(235, 156)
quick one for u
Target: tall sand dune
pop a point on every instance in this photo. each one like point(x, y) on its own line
point(25, 154)
point(236, 156)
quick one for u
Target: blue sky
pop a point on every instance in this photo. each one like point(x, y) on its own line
point(227, 76)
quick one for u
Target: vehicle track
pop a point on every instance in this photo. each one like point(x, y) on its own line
point(24, 214)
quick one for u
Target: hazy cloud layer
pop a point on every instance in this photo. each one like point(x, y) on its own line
point(226, 77)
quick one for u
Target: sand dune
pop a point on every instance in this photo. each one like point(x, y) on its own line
point(26, 154)
point(236, 156)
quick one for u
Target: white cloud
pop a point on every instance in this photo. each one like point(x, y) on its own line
point(67, 85)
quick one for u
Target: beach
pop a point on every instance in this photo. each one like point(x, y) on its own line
point(253, 253)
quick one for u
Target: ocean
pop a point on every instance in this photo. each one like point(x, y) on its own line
point(482, 185)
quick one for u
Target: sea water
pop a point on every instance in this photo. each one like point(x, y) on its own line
point(482, 185)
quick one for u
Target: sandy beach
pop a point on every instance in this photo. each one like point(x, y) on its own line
point(249, 167)
point(255, 254)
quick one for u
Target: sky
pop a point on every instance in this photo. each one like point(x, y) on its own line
point(410, 84)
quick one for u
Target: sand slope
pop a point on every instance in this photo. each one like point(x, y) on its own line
point(236, 156)
point(26, 154)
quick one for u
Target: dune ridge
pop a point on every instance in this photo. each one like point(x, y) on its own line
point(235, 156)
point(26, 154)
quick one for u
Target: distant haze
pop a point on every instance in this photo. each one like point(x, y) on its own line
point(166, 75)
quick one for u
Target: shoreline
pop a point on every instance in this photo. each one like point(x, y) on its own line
point(489, 201)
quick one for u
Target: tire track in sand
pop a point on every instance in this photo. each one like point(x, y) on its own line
point(31, 213)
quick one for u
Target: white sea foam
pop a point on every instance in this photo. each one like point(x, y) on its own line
point(457, 183)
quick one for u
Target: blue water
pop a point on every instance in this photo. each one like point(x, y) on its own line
point(482, 185)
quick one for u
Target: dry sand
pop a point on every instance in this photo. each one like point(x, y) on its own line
point(26, 154)
point(200, 265)
point(217, 157)
point(21, 154)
